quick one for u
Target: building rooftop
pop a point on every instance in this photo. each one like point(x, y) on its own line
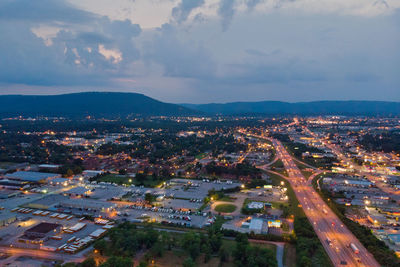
point(256, 224)
point(43, 228)
point(31, 176)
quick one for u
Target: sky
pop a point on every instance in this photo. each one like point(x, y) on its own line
point(203, 51)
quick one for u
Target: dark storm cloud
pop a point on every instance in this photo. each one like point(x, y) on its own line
point(73, 56)
point(43, 11)
point(181, 12)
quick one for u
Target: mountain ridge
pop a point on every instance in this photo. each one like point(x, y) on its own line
point(107, 104)
point(118, 104)
point(324, 107)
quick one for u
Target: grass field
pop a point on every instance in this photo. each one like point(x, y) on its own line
point(225, 208)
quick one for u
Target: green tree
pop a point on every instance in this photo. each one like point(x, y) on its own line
point(305, 261)
point(149, 198)
point(158, 249)
point(223, 254)
point(118, 262)
point(69, 173)
point(191, 244)
point(89, 262)
point(101, 246)
point(189, 263)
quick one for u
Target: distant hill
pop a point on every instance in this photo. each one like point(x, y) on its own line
point(98, 104)
point(107, 104)
point(302, 108)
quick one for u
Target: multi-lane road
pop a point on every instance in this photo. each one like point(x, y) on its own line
point(334, 236)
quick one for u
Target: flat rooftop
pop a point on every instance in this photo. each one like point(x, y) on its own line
point(43, 228)
point(31, 176)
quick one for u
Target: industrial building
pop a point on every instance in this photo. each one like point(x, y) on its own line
point(31, 177)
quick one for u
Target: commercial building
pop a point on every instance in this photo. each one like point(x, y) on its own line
point(40, 233)
point(88, 205)
point(255, 225)
point(31, 177)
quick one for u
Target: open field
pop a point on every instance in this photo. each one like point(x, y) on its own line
point(225, 208)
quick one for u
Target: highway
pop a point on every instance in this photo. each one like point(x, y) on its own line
point(334, 236)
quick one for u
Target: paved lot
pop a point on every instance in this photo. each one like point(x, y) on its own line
point(134, 215)
point(9, 235)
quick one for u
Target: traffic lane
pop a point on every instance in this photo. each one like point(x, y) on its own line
point(285, 158)
point(324, 224)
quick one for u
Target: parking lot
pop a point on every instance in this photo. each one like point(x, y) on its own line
point(11, 235)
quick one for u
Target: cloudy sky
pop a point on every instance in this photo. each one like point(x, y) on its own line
point(200, 51)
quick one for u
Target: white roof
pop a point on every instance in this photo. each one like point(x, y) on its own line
point(98, 233)
point(256, 224)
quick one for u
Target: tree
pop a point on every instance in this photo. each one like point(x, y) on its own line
point(216, 241)
point(118, 262)
point(206, 249)
point(241, 245)
point(158, 249)
point(69, 173)
point(191, 243)
point(89, 262)
point(305, 262)
point(148, 198)
point(167, 240)
point(101, 246)
point(223, 254)
point(189, 262)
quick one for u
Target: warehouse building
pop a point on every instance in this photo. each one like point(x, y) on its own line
point(40, 233)
point(31, 177)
